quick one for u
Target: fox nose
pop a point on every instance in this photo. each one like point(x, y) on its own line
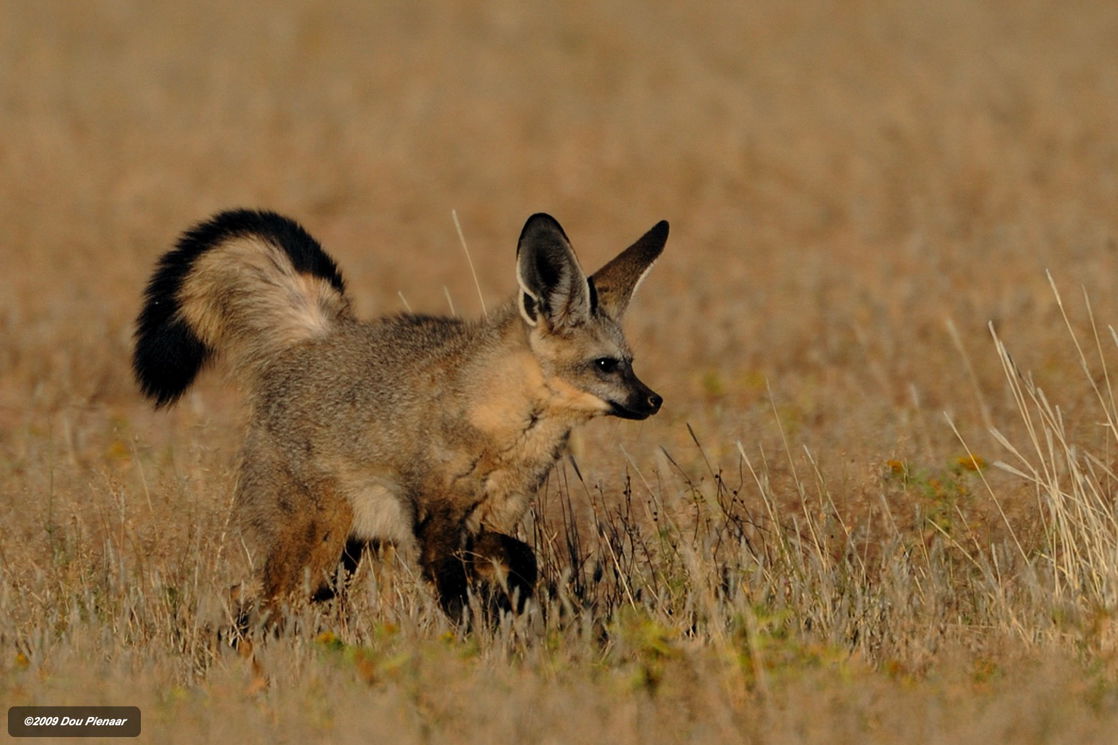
point(654, 402)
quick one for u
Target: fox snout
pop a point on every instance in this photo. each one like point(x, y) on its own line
point(641, 403)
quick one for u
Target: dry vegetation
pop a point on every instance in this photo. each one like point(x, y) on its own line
point(798, 549)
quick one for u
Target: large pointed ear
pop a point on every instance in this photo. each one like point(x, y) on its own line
point(553, 288)
point(616, 282)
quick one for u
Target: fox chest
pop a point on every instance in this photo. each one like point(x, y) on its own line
point(500, 476)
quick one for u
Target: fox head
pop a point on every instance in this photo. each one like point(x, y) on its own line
point(574, 320)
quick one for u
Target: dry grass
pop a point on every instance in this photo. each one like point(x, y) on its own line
point(800, 548)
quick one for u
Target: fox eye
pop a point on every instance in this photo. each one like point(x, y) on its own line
point(607, 364)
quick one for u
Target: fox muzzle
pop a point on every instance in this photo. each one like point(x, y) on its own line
point(642, 403)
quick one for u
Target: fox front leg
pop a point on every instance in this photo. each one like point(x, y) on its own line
point(500, 568)
point(442, 540)
point(504, 570)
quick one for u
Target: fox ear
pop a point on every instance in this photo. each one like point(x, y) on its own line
point(616, 282)
point(552, 285)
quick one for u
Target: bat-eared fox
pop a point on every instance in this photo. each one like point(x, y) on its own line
point(429, 433)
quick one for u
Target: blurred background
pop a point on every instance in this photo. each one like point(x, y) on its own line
point(847, 181)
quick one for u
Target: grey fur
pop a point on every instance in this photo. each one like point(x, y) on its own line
point(430, 433)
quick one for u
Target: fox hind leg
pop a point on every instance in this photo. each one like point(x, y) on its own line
point(310, 545)
point(297, 535)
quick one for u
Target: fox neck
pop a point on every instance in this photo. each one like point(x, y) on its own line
point(519, 420)
point(518, 383)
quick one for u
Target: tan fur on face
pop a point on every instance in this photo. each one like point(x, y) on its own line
point(561, 397)
point(567, 398)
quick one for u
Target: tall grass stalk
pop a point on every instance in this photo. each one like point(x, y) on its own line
point(1069, 464)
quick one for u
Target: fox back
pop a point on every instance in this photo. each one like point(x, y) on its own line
point(431, 433)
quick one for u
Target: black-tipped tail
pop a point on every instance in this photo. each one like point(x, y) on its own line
point(169, 353)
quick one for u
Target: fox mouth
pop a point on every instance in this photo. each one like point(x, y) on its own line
point(616, 409)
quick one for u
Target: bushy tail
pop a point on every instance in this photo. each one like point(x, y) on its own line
point(244, 284)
